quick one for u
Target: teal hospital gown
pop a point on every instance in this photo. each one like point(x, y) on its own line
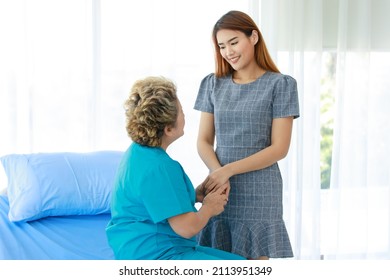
point(151, 187)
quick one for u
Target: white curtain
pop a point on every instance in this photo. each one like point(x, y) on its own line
point(48, 100)
point(67, 66)
point(359, 198)
point(351, 219)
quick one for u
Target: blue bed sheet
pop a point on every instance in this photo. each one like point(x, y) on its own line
point(54, 238)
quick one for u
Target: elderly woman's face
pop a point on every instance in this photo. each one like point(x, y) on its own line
point(180, 122)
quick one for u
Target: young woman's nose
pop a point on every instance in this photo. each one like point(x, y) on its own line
point(229, 50)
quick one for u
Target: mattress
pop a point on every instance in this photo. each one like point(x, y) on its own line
point(79, 237)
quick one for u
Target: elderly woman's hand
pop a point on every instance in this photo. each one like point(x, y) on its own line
point(200, 193)
point(215, 201)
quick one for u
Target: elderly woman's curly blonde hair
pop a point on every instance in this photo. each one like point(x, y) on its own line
point(152, 105)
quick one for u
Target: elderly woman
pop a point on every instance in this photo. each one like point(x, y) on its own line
point(153, 212)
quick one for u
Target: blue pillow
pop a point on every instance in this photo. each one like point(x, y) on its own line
point(58, 184)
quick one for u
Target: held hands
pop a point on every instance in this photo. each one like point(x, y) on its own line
point(189, 224)
point(214, 191)
point(215, 201)
point(219, 178)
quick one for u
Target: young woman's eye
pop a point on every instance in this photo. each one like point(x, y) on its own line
point(221, 47)
point(234, 43)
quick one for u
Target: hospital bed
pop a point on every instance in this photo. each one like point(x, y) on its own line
point(55, 206)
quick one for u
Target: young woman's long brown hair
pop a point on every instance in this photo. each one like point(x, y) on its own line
point(236, 20)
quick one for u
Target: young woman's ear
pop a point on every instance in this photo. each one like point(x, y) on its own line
point(254, 37)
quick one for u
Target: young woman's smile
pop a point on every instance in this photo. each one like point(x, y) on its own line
point(236, 48)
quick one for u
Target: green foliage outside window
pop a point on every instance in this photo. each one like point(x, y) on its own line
point(327, 117)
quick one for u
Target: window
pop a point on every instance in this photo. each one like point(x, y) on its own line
point(327, 98)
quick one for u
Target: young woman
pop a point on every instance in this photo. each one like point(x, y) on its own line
point(153, 213)
point(248, 107)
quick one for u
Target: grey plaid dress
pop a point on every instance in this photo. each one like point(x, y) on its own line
point(252, 224)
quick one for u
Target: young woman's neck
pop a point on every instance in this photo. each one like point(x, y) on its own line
point(248, 74)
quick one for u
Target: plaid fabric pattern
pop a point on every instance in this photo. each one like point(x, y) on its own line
point(252, 224)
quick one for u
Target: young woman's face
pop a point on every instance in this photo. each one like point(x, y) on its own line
point(236, 48)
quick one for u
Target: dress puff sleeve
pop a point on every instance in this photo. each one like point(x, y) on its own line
point(204, 101)
point(285, 95)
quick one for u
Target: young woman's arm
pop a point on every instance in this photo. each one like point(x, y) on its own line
point(205, 141)
point(205, 145)
point(280, 143)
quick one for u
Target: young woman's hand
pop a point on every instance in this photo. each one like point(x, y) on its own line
point(217, 179)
